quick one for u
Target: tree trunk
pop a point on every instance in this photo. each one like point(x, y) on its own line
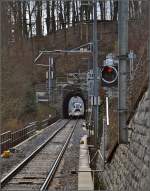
point(77, 12)
point(30, 22)
point(53, 17)
point(19, 20)
point(39, 19)
point(48, 16)
point(73, 14)
point(61, 19)
point(4, 24)
point(25, 31)
point(111, 10)
point(115, 10)
point(101, 10)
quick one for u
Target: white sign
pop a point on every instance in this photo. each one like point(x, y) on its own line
point(95, 100)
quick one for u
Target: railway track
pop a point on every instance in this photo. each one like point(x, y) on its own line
point(37, 170)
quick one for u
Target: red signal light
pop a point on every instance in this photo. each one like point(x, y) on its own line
point(108, 69)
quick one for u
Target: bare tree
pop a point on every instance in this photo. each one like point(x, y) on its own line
point(25, 32)
point(61, 18)
point(53, 16)
point(73, 13)
point(5, 20)
point(102, 9)
point(48, 16)
point(67, 12)
point(77, 11)
point(39, 18)
point(115, 10)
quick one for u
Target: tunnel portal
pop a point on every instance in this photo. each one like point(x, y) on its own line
point(68, 97)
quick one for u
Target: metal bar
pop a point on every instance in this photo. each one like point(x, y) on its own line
point(122, 86)
point(49, 78)
point(100, 154)
point(64, 51)
point(4, 142)
point(94, 156)
point(3, 134)
point(82, 46)
point(42, 65)
point(104, 144)
point(45, 120)
point(58, 52)
point(38, 57)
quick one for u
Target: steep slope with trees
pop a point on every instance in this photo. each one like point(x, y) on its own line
point(30, 26)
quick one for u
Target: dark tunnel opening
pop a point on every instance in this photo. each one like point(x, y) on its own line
point(66, 102)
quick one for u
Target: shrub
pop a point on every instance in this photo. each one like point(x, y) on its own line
point(30, 101)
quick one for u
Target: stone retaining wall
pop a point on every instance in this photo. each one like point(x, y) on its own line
point(129, 169)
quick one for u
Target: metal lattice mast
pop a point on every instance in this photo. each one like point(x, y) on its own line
point(123, 55)
point(49, 79)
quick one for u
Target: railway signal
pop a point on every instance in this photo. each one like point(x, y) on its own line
point(109, 75)
point(109, 72)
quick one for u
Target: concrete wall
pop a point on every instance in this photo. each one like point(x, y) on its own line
point(129, 169)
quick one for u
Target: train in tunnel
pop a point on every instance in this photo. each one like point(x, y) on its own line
point(76, 107)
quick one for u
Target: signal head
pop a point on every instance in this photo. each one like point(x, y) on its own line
point(109, 75)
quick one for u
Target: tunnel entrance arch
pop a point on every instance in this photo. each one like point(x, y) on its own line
point(67, 98)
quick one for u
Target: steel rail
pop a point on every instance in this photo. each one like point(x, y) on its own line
point(10, 175)
point(56, 163)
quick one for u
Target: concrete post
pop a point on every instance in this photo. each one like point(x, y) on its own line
point(122, 86)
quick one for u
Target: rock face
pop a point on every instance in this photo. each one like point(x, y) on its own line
point(129, 169)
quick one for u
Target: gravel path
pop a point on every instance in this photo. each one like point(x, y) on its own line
point(24, 150)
